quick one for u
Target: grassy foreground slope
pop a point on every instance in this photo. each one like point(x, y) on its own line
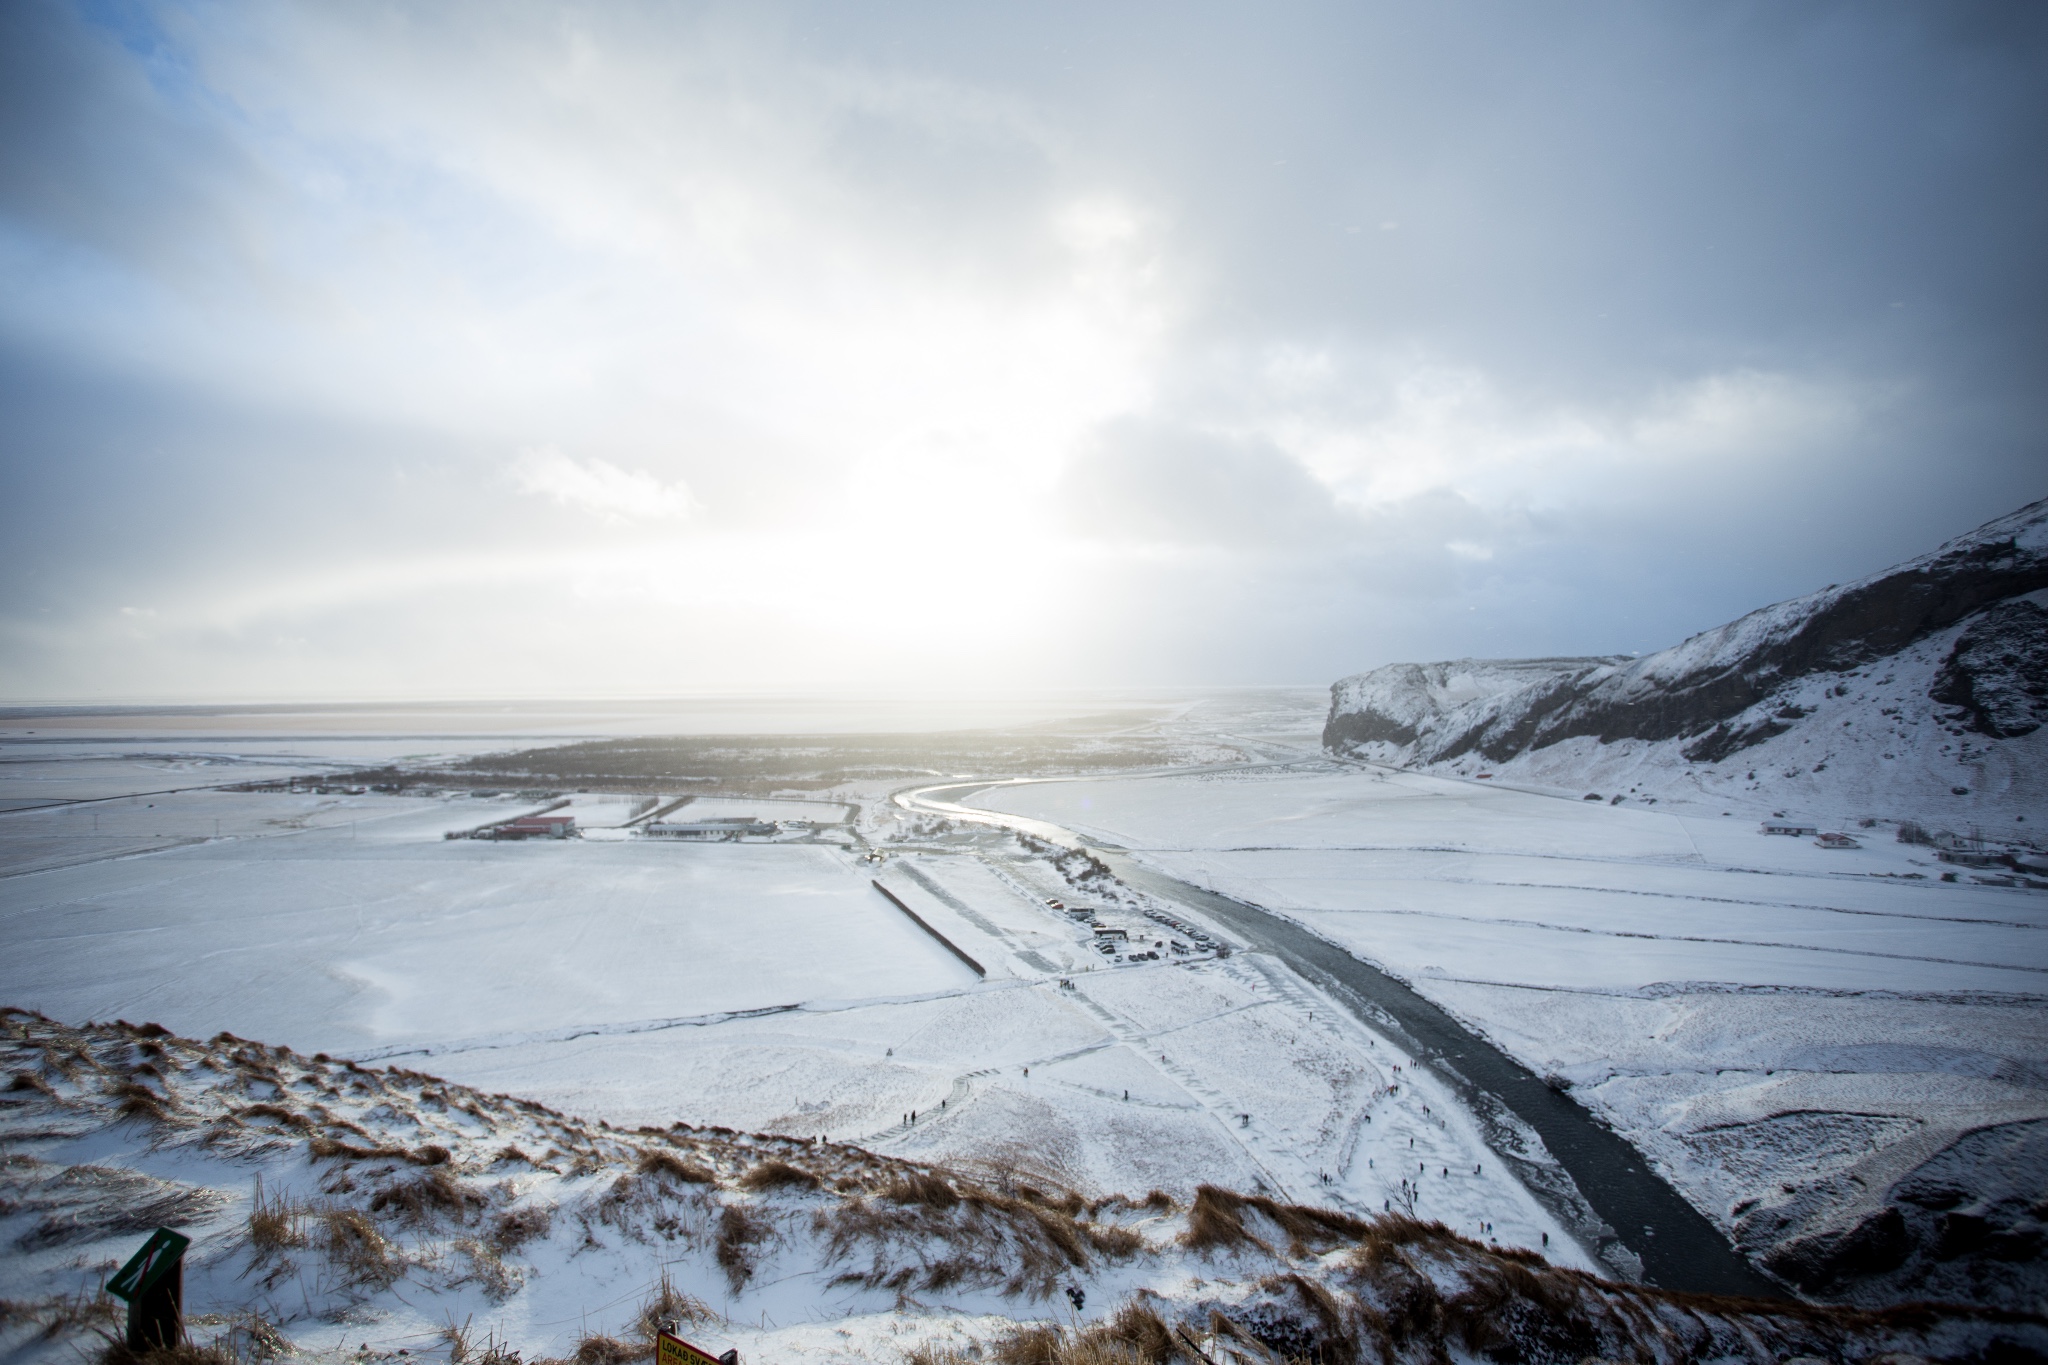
point(345, 1210)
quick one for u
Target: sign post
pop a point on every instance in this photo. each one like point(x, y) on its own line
point(670, 1349)
point(153, 1284)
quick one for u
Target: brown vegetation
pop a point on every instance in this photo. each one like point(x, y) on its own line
point(666, 1303)
point(739, 1233)
point(922, 1188)
point(276, 1222)
point(778, 1175)
point(1216, 1220)
point(669, 1166)
point(514, 1228)
point(1134, 1336)
point(116, 1352)
point(433, 1193)
point(357, 1250)
point(603, 1350)
point(1330, 1289)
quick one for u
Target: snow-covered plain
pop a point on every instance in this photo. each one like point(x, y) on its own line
point(761, 987)
point(757, 986)
point(1697, 981)
point(388, 937)
point(1758, 1014)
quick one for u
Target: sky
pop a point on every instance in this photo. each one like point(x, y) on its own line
point(514, 350)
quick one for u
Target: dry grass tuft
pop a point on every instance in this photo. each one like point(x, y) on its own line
point(603, 1350)
point(777, 1175)
point(488, 1269)
point(250, 1337)
point(427, 1196)
point(1216, 1220)
point(930, 1354)
point(275, 1223)
point(669, 1166)
point(457, 1336)
point(358, 1251)
point(514, 1228)
point(1114, 1241)
point(739, 1233)
point(1134, 1336)
point(463, 1351)
point(28, 1080)
point(117, 1352)
point(1036, 1345)
point(57, 1316)
point(327, 1148)
point(1141, 1330)
point(143, 1106)
point(290, 1118)
point(666, 1303)
point(924, 1189)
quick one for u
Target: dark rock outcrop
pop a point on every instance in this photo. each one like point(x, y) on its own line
point(1998, 671)
point(1970, 1224)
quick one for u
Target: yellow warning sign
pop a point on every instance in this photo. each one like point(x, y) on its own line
point(673, 1350)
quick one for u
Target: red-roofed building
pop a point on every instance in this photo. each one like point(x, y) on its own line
point(550, 824)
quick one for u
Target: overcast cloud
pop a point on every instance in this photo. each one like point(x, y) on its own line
point(458, 350)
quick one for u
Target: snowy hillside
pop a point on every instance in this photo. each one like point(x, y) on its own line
point(1917, 694)
point(345, 1212)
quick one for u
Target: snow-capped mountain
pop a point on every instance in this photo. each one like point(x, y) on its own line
point(1918, 693)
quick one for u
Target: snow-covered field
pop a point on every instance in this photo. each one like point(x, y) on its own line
point(383, 937)
point(761, 987)
point(1766, 1018)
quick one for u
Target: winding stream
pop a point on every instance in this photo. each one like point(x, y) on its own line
point(1636, 1218)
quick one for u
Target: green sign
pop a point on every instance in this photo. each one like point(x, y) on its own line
point(148, 1265)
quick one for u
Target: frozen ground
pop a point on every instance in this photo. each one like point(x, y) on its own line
point(758, 987)
point(1755, 1013)
point(1788, 1031)
point(389, 937)
point(763, 987)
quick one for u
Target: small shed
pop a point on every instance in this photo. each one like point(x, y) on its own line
point(1971, 857)
point(1790, 827)
point(710, 831)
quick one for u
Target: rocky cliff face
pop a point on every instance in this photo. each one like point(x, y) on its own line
point(1954, 643)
